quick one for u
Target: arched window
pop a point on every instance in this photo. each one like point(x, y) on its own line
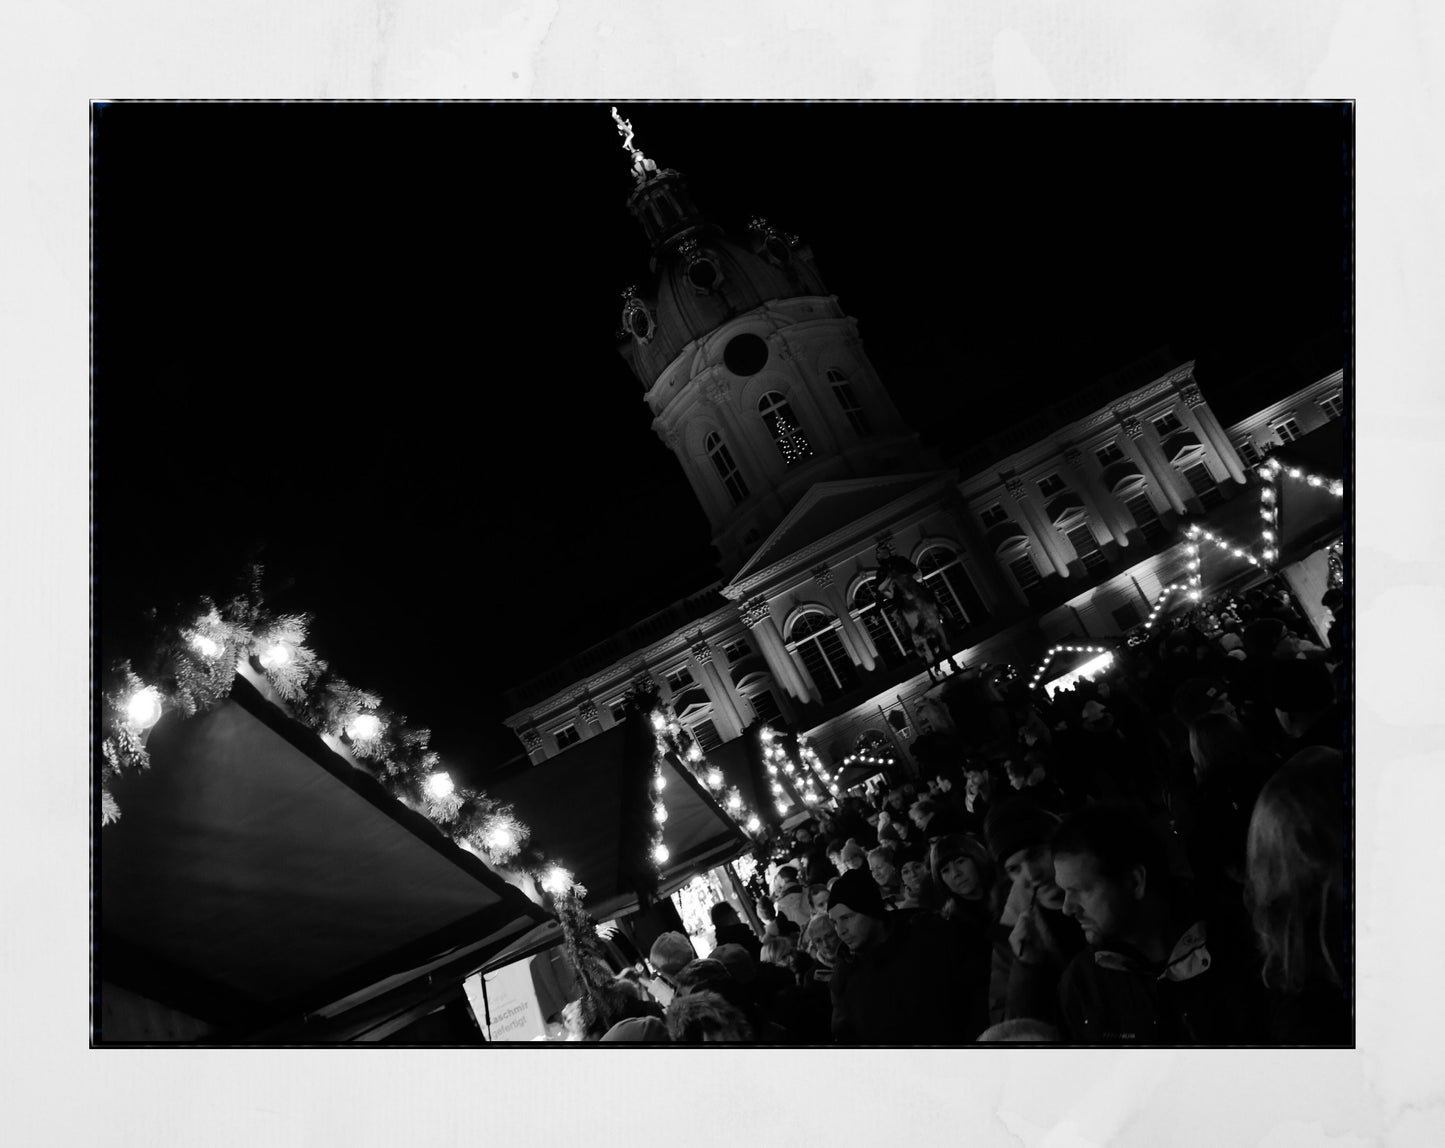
point(881, 628)
point(778, 416)
point(727, 469)
point(814, 636)
point(843, 392)
point(943, 573)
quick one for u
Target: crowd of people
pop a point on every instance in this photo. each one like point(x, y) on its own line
point(1155, 856)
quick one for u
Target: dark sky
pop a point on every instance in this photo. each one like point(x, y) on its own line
point(372, 344)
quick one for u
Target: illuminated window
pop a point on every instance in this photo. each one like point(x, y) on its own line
point(778, 417)
point(1051, 486)
point(727, 469)
point(814, 636)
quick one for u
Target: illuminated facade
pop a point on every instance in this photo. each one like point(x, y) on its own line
point(758, 382)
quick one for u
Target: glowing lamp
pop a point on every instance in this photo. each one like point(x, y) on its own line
point(714, 779)
point(754, 824)
point(810, 798)
point(363, 727)
point(659, 782)
point(735, 802)
point(143, 709)
point(205, 646)
point(660, 854)
point(782, 808)
point(659, 722)
point(500, 839)
point(440, 785)
point(557, 881)
point(659, 811)
point(277, 655)
point(694, 753)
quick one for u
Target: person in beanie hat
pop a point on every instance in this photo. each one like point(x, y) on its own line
point(899, 982)
point(1034, 940)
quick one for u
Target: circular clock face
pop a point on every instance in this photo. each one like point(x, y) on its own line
point(745, 355)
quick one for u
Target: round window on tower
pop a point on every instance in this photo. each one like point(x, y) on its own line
point(745, 355)
point(638, 320)
point(777, 250)
point(702, 273)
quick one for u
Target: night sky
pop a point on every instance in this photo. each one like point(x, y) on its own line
point(372, 345)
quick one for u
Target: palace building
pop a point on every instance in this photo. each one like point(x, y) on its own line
point(758, 382)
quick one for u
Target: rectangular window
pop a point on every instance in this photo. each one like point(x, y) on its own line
point(1287, 430)
point(1126, 617)
point(1203, 485)
point(1167, 424)
point(737, 651)
point(851, 407)
point(1334, 406)
point(1248, 452)
point(994, 516)
point(765, 706)
point(1086, 546)
point(1145, 517)
point(1109, 455)
point(566, 736)
point(1025, 573)
point(619, 712)
point(679, 679)
point(706, 735)
point(1050, 486)
point(727, 470)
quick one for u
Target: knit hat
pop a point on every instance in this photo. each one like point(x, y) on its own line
point(738, 962)
point(857, 889)
point(946, 849)
point(703, 974)
point(1195, 698)
point(1015, 825)
point(670, 952)
point(647, 1029)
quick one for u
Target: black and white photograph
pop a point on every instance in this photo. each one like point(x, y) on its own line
point(788, 574)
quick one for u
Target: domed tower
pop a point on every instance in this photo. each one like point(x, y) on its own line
point(756, 379)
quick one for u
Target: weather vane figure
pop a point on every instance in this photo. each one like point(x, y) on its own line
point(642, 167)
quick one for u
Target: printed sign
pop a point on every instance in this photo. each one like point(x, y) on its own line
point(511, 1003)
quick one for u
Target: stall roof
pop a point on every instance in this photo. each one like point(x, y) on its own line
point(257, 878)
point(573, 805)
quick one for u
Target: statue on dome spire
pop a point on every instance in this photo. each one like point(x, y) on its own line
point(642, 167)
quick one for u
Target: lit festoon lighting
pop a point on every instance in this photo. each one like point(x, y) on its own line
point(735, 802)
point(206, 647)
point(500, 839)
point(143, 709)
point(659, 782)
point(754, 824)
point(660, 854)
point(277, 654)
point(659, 722)
point(440, 785)
point(694, 754)
point(363, 727)
point(557, 880)
point(659, 811)
point(714, 779)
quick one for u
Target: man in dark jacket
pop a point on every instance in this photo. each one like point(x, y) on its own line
point(900, 982)
point(728, 929)
point(1153, 972)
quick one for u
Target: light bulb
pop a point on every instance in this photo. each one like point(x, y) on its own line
point(782, 808)
point(660, 854)
point(206, 646)
point(143, 708)
point(278, 655)
point(500, 839)
point(714, 779)
point(754, 824)
point(659, 722)
point(557, 880)
point(659, 782)
point(735, 802)
point(363, 727)
point(440, 785)
point(659, 811)
point(694, 753)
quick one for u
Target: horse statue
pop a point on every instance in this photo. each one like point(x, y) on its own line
point(916, 605)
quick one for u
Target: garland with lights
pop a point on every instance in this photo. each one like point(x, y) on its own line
point(1054, 651)
point(1270, 471)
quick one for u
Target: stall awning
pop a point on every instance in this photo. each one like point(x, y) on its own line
point(256, 878)
point(573, 805)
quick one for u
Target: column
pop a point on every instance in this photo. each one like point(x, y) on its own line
point(856, 643)
point(1212, 431)
point(729, 720)
point(1041, 528)
point(587, 717)
point(758, 617)
point(1102, 505)
point(1151, 463)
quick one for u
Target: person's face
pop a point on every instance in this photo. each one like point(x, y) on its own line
point(1033, 868)
point(1017, 779)
point(819, 903)
point(804, 837)
point(913, 875)
point(883, 872)
point(916, 817)
point(1104, 908)
point(856, 930)
point(962, 878)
